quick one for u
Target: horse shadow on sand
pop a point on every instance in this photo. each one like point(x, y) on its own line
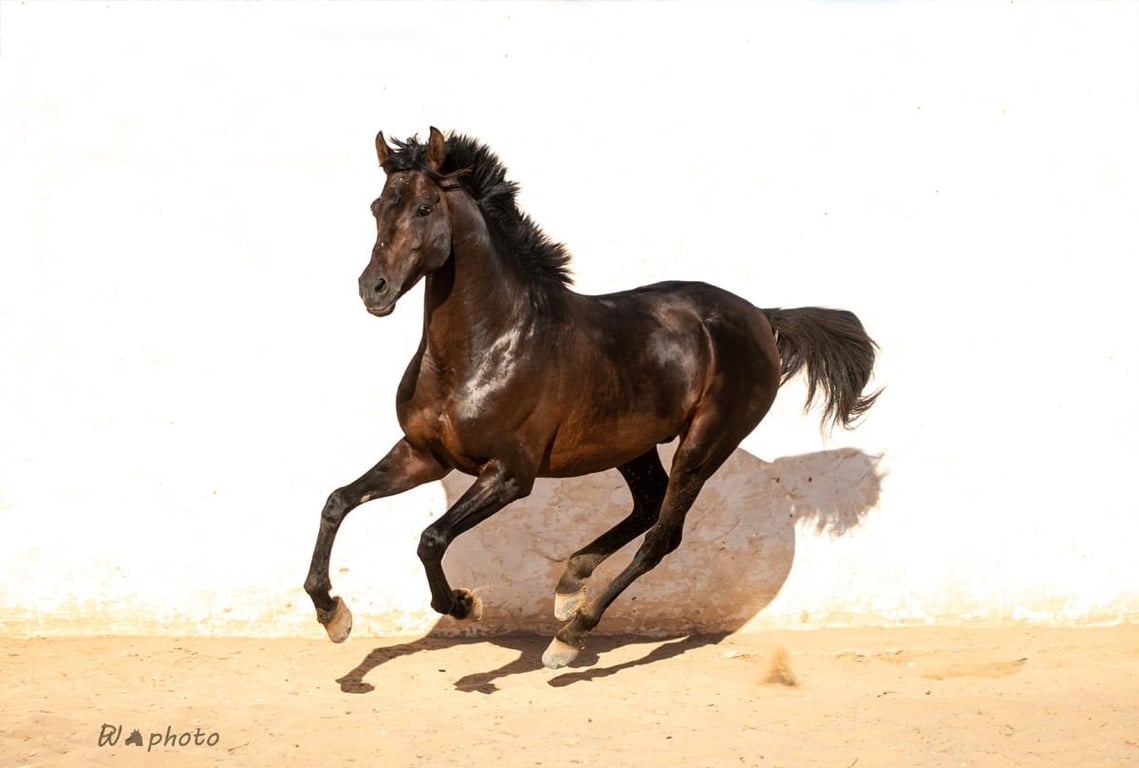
point(738, 550)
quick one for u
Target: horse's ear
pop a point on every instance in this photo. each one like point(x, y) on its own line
point(436, 149)
point(382, 149)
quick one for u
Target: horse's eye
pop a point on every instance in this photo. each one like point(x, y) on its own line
point(423, 210)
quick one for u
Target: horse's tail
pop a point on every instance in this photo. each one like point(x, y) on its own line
point(837, 354)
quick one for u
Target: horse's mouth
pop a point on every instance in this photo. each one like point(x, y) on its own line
point(382, 311)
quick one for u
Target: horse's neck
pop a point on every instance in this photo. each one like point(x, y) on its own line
point(476, 297)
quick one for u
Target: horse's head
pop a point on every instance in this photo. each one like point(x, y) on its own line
point(413, 229)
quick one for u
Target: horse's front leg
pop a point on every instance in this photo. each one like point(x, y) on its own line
point(496, 486)
point(402, 469)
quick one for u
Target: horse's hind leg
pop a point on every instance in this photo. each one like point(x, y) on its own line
point(707, 445)
point(402, 469)
point(647, 482)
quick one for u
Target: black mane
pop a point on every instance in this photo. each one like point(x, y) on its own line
point(472, 165)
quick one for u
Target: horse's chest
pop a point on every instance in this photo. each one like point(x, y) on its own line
point(459, 421)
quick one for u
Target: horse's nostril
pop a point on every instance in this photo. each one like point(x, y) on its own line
point(381, 287)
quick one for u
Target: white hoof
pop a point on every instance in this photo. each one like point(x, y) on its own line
point(340, 625)
point(566, 606)
point(559, 654)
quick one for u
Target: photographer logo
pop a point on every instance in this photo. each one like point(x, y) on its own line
point(109, 736)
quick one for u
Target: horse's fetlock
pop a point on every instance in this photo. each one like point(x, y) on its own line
point(315, 585)
point(572, 579)
point(310, 587)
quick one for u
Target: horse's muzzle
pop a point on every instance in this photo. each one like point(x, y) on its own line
point(378, 295)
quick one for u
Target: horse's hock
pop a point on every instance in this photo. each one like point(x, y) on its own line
point(738, 548)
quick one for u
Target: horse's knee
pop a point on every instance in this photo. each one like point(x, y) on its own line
point(432, 544)
point(512, 487)
point(336, 507)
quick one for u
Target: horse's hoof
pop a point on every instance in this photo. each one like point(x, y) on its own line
point(338, 623)
point(558, 654)
point(566, 606)
point(468, 605)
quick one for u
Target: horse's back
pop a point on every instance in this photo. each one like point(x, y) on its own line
point(644, 362)
point(693, 315)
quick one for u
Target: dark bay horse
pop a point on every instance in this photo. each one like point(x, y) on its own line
point(518, 377)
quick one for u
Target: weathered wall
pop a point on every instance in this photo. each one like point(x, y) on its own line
point(187, 371)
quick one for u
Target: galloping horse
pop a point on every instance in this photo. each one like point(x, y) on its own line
point(519, 377)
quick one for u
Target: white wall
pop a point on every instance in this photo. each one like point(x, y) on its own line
point(187, 371)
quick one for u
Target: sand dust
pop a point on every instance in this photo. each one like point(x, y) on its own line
point(839, 698)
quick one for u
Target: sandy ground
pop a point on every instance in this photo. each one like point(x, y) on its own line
point(915, 697)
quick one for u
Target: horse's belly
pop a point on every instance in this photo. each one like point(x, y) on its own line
point(580, 449)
